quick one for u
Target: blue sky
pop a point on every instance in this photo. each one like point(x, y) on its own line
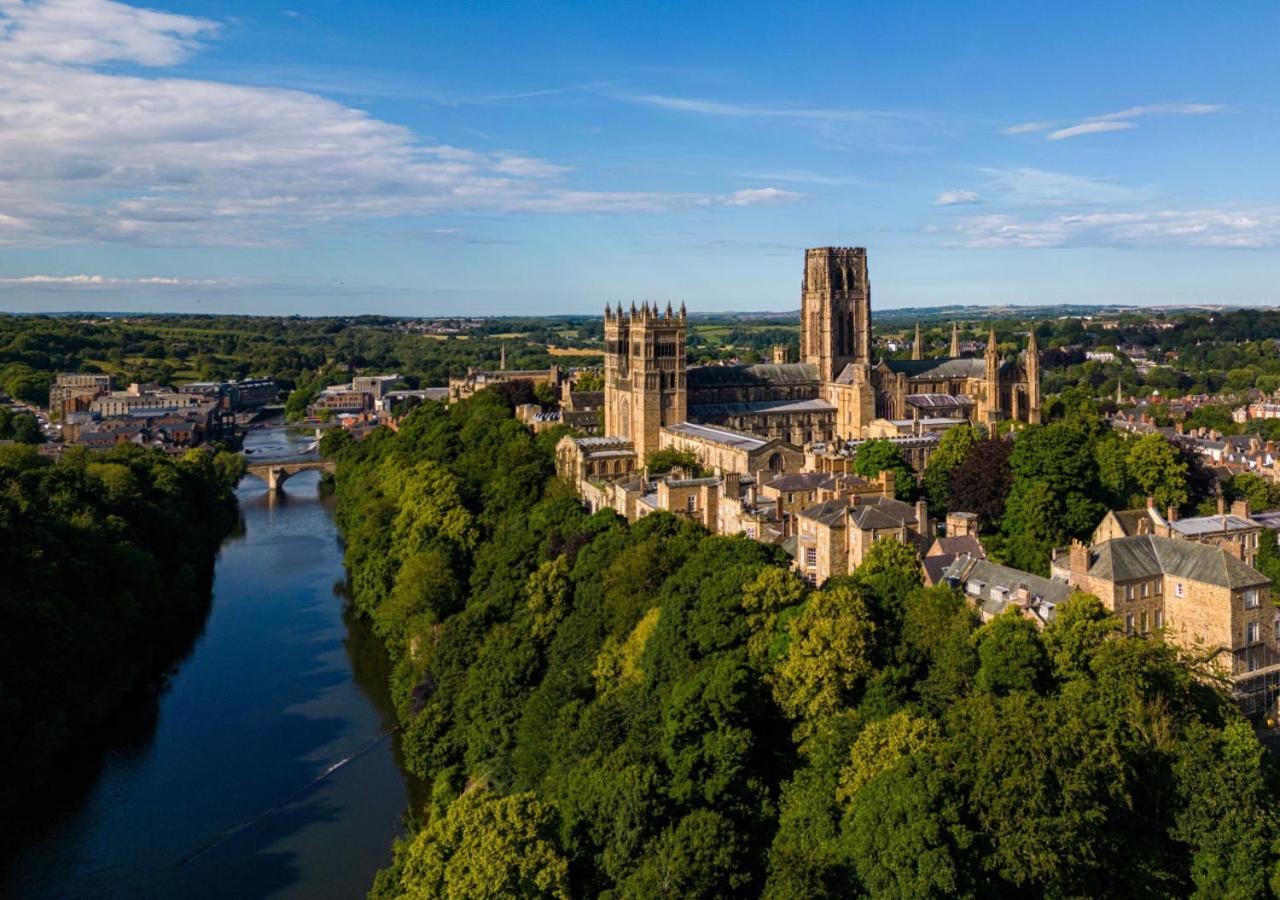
point(451, 158)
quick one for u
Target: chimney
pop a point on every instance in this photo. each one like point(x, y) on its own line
point(751, 491)
point(732, 485)
point(781, 514)
point(922, 518)
point(1222, 505)
point(1171, 514)
point(1242, 508)
point(1079, 560)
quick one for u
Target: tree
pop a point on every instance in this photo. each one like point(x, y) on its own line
point(828, 655)
point(1079, 628)
point(981, 482)
point(952, 450)
point(1158, 471)
point(698, 859)
point(1010, 655)
point(878, 456)
point(486, 846)
point(904, 834)
point(663, 461)
point(26, 430)
point(879, 746)
point(1053, 496)
point(1259, 492)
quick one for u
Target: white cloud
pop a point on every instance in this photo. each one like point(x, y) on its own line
point(761, 196)
point(95, 31)
point(1231, 228)
point(956, 198)
point(1088, 128)
point(91, 155)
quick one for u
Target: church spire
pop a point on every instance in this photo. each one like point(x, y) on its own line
point(917, 348)
point(955, 340)
point(991, 342)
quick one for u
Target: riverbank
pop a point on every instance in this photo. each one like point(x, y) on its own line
point(107, 560)
point(267, 765)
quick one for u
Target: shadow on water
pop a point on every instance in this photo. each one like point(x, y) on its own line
point(265, 764)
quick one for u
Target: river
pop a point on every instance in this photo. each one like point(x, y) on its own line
point(267, 766)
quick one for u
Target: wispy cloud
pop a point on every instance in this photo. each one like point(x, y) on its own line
point(1120, 120)
point(868, 128)
point(1088, 128)
point(1027, 186)
point(1027, 127)
point(1216, 227)
point(956, 198)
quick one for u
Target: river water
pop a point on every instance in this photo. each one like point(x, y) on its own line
point(267, 766)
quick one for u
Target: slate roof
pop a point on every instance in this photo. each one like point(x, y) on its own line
point(1198, 525)
point(761, 374)
point(758, 407)
point(725, 436)
point(799, 481)
point(829, 512)
point(957, 545)
point(993, 587)
point(939, 401)
point(1147, 555)
point(966, 367)
point(882, 512)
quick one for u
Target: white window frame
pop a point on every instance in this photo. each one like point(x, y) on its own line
point(1251, 598)
point(1251, 632)
point(811, 557)
point(1177, 588)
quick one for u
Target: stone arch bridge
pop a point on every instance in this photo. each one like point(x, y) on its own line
point(276, 472)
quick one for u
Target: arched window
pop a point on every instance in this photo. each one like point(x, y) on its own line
point(624, 427)
point(776, 463)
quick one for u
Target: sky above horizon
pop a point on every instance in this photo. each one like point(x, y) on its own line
point(460, 158)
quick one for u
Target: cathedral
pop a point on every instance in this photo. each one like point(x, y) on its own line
point(835, 392)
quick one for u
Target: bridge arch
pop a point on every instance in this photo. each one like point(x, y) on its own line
point(276, 473)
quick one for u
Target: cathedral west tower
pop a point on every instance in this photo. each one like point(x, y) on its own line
point(644, 374)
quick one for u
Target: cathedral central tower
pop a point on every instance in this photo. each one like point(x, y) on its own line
point(835, 310)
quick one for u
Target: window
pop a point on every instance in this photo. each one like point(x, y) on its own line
point(1277, 627)
point(791, 498)
point(1177, 589)
point(1128, 592)
point(1128, 623)
point(1144, 621)
point(751, 533)
point(1159, 619)
point(1251, 598)
point(1145, 588)
point(693, 502)
point(810, 556)
point(1251, 633)
point(1159, 587)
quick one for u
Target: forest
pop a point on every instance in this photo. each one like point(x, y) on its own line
point(107, 560)
point(647, 710)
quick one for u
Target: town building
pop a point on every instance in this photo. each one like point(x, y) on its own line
point(993, 589)
point(833, 537)
point(74, 391)
point(1232, 528)
point(1199, 596)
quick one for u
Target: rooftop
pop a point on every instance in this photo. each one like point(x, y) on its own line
point(718, 435)
point(1147, 555)
point(762, 374)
